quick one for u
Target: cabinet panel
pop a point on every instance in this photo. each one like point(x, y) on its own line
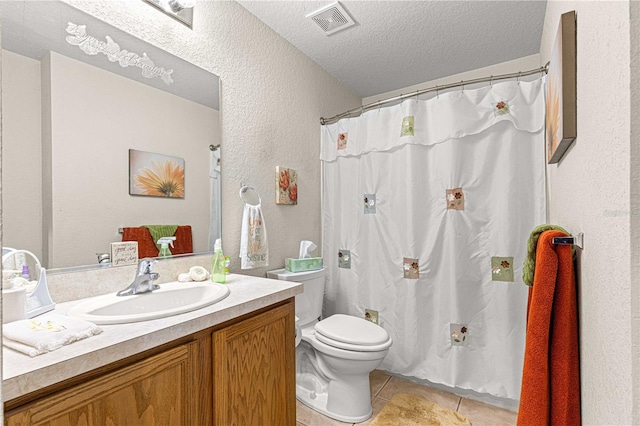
point(254, 370)
point(154, 391)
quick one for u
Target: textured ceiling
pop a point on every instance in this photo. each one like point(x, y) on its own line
point(396, 44)
point(31, 28)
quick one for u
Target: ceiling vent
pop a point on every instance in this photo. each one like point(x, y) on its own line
point(332, 18)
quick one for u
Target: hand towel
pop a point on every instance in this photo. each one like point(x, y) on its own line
point(528, 269)
point(550, 394)
point(46, 333)
point(254, 250)
point(161, 231)
point(148, 248)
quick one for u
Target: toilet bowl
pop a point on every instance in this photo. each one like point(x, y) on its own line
point(334, 356)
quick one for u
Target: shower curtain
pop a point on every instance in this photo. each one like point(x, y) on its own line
point(427, 207)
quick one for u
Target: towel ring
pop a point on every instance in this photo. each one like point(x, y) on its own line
point(250, 196)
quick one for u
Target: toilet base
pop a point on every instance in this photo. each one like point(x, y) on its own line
point(317, 401)
point(347, 399)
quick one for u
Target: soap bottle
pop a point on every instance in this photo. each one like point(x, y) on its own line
point(25, 273)
point(218, 274)
point(164, 243)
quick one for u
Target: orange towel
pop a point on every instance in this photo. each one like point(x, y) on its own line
point(550, 392)
point(147, 247)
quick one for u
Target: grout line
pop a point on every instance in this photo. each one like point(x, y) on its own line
point(459, 402)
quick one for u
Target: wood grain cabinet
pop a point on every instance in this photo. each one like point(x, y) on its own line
point(254, 371)
point(239, 373)
point(154, 391)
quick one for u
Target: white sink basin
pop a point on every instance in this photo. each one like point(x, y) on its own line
point(171, 299)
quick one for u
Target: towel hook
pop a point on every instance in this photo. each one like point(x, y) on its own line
point(574, 240)
point(249, 195)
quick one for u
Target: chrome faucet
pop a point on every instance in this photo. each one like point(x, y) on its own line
point(144, 279)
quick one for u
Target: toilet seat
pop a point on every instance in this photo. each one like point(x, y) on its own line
point(352, 333)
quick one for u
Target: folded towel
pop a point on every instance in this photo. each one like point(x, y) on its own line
point(550, 393)
point(161, 231)
point(46, 333)
point(529, 267)
point(254, 249)
point(148, 248)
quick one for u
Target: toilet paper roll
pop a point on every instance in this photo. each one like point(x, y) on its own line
point(14, 304)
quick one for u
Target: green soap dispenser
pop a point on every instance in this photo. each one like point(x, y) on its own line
point(164, 243)
point(218, 273)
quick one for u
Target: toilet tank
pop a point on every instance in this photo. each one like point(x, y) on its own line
point(309, 303)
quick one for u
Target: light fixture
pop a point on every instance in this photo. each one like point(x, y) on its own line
point(181, 10)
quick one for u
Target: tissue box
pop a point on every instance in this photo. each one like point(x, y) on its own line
point(300, 265)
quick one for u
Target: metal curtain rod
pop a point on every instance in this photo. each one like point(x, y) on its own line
point(436, 88)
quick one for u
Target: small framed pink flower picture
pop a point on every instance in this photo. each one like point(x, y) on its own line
point(286, 186)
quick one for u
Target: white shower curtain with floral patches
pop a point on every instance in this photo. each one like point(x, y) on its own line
point(427, 208)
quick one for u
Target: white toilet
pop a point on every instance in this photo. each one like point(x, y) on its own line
point(334, 356)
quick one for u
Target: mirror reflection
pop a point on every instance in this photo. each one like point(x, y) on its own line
point(70, 119)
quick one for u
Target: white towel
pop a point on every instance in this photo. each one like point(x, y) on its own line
point(46, 333)
point(254, 250)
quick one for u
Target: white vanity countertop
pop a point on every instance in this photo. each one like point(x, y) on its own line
point(22, 374)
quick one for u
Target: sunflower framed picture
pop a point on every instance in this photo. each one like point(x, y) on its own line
point(561, 126)
point(155, 175)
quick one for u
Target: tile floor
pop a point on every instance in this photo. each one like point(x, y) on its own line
point(384, 387)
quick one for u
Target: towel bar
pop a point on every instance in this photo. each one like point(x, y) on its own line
point(576, 240)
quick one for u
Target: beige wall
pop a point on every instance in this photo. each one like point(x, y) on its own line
point(271, 99)
point(21, 153)
point(634, 9)
point(590, 193)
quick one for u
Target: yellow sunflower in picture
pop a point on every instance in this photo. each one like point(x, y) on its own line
point(553, 116)
point(163, 179)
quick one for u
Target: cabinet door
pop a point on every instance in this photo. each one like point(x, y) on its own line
point(154, 391)
point(254, 370)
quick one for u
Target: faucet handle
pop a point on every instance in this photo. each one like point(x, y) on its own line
point(146, 265)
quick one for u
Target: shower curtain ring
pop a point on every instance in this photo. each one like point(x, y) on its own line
point(519, 74)
point(416, 96)
point(491, 81)
point(462, 84)
point(437, 92)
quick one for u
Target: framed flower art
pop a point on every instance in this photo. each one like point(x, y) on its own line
point(155, 175)
point(286, 186)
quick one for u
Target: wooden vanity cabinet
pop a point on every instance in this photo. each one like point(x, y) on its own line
point(254, 380)
point(238, 373)
point(154, 391)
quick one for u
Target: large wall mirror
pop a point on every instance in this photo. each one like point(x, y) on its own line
point(69, 120)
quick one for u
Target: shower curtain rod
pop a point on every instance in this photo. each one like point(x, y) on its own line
point(436, 88)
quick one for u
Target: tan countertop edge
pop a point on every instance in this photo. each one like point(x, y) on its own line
point(22, 374)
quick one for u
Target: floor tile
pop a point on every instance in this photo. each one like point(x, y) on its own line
point(486, 415)
point(377, 379)
point(395, 386)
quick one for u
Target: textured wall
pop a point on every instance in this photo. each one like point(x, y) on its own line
point(634, 12)
point(589, 192)
point(271, 99)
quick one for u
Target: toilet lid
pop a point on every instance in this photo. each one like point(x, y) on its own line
point(352, 331)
